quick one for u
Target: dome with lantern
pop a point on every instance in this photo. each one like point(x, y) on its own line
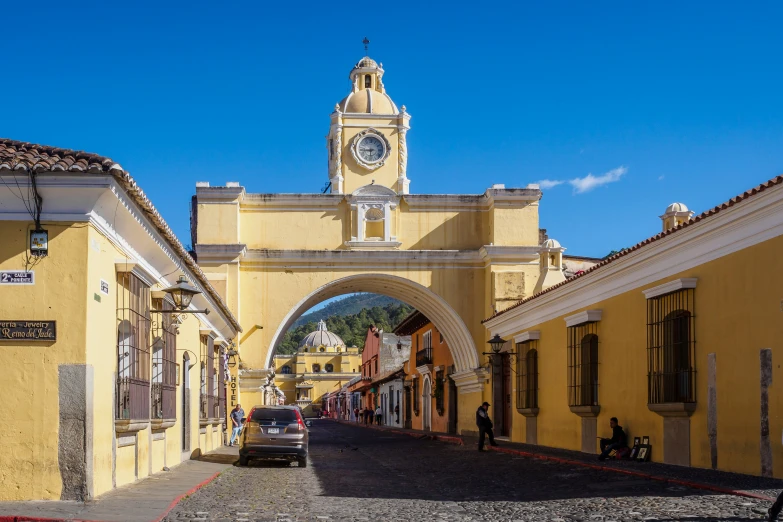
point(368, 95)
point(321, 340)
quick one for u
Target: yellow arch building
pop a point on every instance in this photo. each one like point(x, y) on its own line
point(457, 258)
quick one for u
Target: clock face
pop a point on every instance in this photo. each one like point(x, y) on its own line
point(371, 149)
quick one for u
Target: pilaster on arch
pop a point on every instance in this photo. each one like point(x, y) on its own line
point(468, 375)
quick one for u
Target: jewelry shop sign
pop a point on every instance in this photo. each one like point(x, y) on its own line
point(28, 330)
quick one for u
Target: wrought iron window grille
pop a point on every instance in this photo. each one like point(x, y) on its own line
point(671, 345)
point(583, 357)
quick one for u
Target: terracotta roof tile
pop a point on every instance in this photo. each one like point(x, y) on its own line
point(701, 217)
point(20, 155)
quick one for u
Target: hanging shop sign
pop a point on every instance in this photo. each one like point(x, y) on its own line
point(17, 277)
point(28, 330)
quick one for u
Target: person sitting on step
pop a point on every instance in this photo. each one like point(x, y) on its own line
point(618, 440)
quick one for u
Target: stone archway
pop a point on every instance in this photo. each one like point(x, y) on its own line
point(443, 316)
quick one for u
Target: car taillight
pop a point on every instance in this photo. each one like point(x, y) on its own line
point(249, 415)
point(299, 421)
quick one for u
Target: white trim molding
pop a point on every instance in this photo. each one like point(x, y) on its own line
point(531, 335)
point(137, 269)
point(671, 286)
point(588, 316)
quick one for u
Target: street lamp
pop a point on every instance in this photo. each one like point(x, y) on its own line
point(232, 357)
point(496, 343)
point(182, 293)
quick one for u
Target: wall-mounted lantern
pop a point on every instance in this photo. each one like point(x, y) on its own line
point(182, 293)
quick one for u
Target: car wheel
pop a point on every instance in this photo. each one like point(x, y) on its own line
point(243, 460)
point(302, 461)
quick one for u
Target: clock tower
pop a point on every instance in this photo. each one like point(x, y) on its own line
point(366, 141)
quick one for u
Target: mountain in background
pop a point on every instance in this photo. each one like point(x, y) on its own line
point(352, 304)
point(351, 327)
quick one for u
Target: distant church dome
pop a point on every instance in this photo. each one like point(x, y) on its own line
point(551, 243)
point(321, 337)
point(676, 207)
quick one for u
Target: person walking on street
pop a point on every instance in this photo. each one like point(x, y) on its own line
point(378, 415)
point(484, 426)
point(237, 414)
point(617, 441)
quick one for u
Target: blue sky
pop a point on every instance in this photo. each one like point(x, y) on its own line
point(664, 101)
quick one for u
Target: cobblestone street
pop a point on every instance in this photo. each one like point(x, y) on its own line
point(361, 474)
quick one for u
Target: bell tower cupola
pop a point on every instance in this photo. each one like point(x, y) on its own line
point(367, 135)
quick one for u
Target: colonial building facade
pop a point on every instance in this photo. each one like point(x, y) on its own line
point(457, 258)
point(430, 393)
point(322, 365)
point(108, 378)
point(679, 337)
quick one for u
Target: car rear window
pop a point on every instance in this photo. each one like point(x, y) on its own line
point(268, 415)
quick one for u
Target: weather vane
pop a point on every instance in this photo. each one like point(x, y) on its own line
point(366, 43)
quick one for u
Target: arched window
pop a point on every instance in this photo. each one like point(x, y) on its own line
point(316, 368)
point(531, 364)
point(671, 347)
point(285, 370)
point(329, 368)
point(589, 370)
point(676, 357)
point(527, 372)
point(367, 81)
point(583, 344)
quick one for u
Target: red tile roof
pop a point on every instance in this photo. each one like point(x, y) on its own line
point(701, 217)
point(20, 155)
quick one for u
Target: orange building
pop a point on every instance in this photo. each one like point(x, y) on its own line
point(430, 394)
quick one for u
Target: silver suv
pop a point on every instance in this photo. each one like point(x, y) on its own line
point(274, 432)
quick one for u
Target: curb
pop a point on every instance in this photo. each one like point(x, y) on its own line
point(459, 441)
point(23, 518)
point(658, 478)
point(187, 493)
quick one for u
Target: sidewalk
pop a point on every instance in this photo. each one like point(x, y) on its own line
point(147, 500)
point(699, 478)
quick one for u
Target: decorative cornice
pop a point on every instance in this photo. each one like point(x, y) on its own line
point(258, 202)
point(587, 316)
point(372, 245)
point(470, 381)
point(226, 253)
point(207, 195)
point(671, 286)
point(391, 259)
point(507, 198)
point(530, 335)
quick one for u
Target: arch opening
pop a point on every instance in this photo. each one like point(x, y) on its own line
point(434, 307)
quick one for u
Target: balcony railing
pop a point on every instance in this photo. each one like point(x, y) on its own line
point(424, 357)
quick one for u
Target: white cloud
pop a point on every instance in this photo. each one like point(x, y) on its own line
point(660, 178)
point(550, 183)
point(590, 182)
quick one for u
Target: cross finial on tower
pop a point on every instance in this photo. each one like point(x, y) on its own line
point(366, 43)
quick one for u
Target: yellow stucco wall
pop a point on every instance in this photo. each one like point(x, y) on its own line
point(737, 313)
point(67, 290)
point(29, 371)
